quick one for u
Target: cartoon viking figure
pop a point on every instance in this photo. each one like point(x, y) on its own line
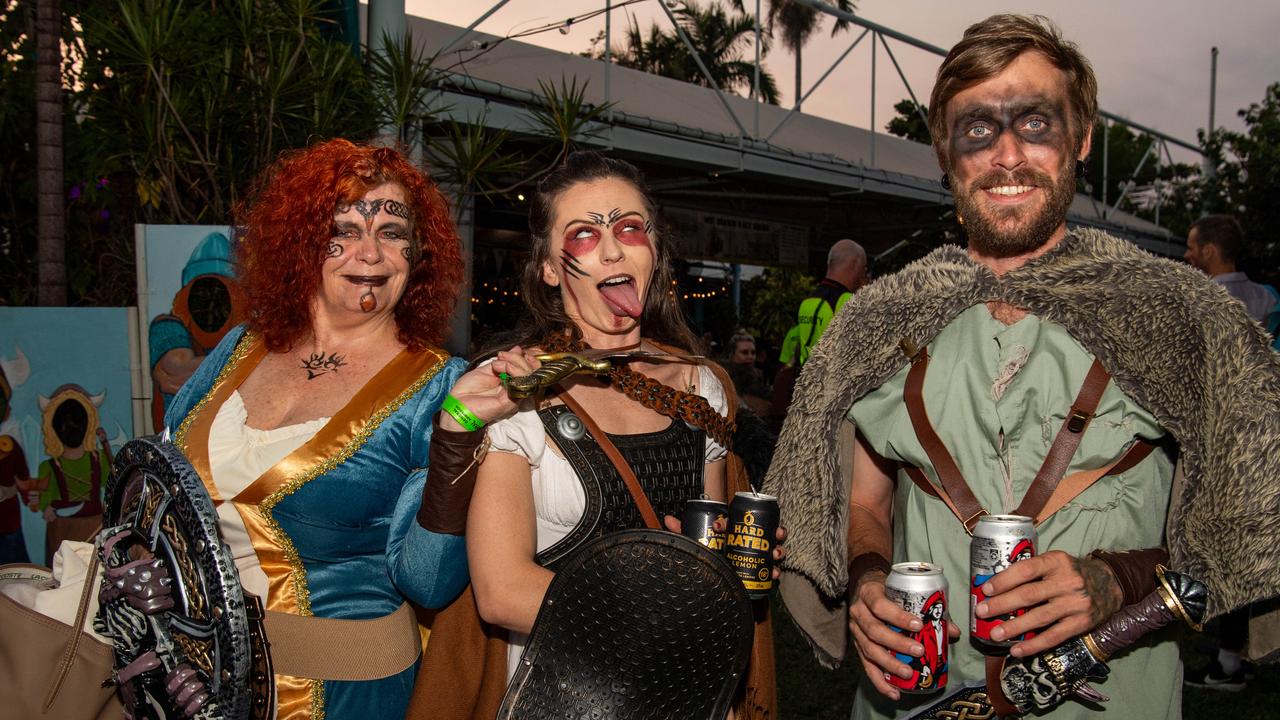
point(13, 467)
point(70, 481)
point(207, 306)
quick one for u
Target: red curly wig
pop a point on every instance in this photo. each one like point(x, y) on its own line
point(287, 222)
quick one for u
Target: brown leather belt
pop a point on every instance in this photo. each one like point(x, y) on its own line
point(333, 649)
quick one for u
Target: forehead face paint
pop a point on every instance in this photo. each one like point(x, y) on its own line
point(1032, 120)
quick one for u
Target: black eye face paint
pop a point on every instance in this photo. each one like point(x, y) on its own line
point(1034, 120)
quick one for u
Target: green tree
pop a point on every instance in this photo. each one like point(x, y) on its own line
point(769, 301)
point(797, 23)
point(722, 41)
point(908, 123)
point(1246, 180)
point(52, 222)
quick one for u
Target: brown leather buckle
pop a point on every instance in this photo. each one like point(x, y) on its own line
point(1078, 419)
point(910, 349)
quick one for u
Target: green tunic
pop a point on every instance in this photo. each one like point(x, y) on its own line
point(997, 396)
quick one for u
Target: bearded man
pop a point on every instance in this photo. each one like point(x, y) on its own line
point(1061, 374)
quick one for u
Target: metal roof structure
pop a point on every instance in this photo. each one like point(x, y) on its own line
point(714, 143)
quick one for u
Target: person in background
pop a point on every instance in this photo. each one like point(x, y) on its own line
point(846, 272)
point(1215, 244)
point(747, 378)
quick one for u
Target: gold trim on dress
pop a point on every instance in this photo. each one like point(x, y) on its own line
point(339, 439)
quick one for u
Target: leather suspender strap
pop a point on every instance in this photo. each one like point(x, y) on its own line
point(1066, 442)
point(1076, 483)
point(995, 694)
point(963, 503)
point(619, 463)
point(918, 477)
point(1049, 491)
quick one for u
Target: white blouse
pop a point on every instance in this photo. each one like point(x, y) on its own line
point(238, 455)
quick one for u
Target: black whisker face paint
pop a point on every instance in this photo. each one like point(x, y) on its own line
point(571, 265)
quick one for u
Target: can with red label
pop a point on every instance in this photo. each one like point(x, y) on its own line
point(920, 588)
point(998, 542)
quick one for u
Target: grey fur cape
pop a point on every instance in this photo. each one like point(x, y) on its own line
point(1174, 342)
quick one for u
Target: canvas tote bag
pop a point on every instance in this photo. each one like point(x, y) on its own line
point(49, 669)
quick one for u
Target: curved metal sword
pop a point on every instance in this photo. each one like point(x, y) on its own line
point(558, 366)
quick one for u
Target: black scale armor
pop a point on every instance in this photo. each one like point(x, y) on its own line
point(669, 464)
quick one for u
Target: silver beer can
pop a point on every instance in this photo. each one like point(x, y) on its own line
point(920, 588)
point(998, 542)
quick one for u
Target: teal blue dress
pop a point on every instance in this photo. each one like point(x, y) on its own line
point(340, 538)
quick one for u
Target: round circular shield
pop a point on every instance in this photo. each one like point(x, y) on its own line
point(171, 599)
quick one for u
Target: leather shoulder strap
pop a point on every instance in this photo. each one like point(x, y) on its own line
point(1066, 442)
point(619, 462)
point(962, 501)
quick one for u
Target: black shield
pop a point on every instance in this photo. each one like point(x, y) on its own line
point(171, 599)
point(636, 624)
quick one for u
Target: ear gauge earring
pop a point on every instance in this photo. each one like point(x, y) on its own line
point(946, 181)
point(1081, 170)
point(959, 218)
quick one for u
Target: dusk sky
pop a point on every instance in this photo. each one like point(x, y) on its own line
point(1151, 56)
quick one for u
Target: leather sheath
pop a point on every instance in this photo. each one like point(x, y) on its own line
point(451, 476)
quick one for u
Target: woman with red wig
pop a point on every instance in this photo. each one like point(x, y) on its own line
point(311, 424)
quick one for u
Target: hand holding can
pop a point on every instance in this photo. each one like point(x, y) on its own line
point(749, 543)
point(998, 542)
point(921, 589)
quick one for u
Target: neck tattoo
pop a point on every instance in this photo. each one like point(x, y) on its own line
point(317, 364)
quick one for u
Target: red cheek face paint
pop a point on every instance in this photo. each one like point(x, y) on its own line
point(631, 231)
point(581, 240)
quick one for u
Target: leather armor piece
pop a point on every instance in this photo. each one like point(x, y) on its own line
point(451, 476)
point(1135, 570)
point(669, 464)
point(636, 624)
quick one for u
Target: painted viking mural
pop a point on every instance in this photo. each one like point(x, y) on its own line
point(204, 309)
point(69, 483)
point(13, 465)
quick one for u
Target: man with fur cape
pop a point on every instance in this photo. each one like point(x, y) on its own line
point(1014, 324)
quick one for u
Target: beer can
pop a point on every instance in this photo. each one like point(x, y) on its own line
point(920, 588)
point(698, 520)
point(998, 542)
point(748, 546)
